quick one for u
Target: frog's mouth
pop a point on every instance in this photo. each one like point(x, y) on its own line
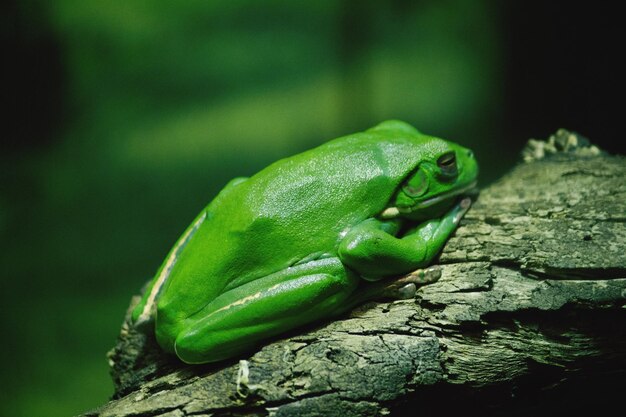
point(441, 197)
point(391, 212)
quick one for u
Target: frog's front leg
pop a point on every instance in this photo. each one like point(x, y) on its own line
point(240, 318)
point(374, 251)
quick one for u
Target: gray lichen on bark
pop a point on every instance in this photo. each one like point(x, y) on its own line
point(531, 301)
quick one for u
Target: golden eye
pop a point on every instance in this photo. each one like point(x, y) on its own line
point(447, 164)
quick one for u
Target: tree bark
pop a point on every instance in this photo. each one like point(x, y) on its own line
point(528, 317)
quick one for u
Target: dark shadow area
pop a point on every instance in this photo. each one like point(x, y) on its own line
point(562, 66)
point(558, 385)
point(34, 73)
point(590, 395)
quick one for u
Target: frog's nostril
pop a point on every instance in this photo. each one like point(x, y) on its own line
point(470, 154)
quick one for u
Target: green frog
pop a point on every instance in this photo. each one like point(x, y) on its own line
point(308, 238)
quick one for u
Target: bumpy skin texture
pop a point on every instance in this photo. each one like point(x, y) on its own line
point(302, 239)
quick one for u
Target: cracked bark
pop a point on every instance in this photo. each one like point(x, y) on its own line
point(527, 317)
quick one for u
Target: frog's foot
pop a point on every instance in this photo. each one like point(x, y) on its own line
point(461, 208)
point(406, 286)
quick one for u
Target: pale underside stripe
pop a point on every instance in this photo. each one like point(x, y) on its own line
point(245, 300)
point(167, 268)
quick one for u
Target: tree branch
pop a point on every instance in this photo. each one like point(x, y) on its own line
point(527, 317)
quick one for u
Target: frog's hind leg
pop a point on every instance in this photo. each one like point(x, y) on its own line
point(143, 312)
point(240, 318)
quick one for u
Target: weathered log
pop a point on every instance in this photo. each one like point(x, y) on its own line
point(528, 317)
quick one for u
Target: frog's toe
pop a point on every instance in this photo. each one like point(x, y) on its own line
point(462, 207)
point(406, 291)
point(424, 276)
point(406, 286)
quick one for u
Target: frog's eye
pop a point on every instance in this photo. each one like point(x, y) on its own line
point(416, 185)
point(447, 164)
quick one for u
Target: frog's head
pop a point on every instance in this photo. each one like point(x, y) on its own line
point(445, 171)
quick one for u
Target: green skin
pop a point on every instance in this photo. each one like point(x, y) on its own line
point(308, 238)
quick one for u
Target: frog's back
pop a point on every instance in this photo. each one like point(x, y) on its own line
point(293, 209)
point(302, 205)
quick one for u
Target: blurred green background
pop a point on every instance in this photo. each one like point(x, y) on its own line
point(127, 117)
